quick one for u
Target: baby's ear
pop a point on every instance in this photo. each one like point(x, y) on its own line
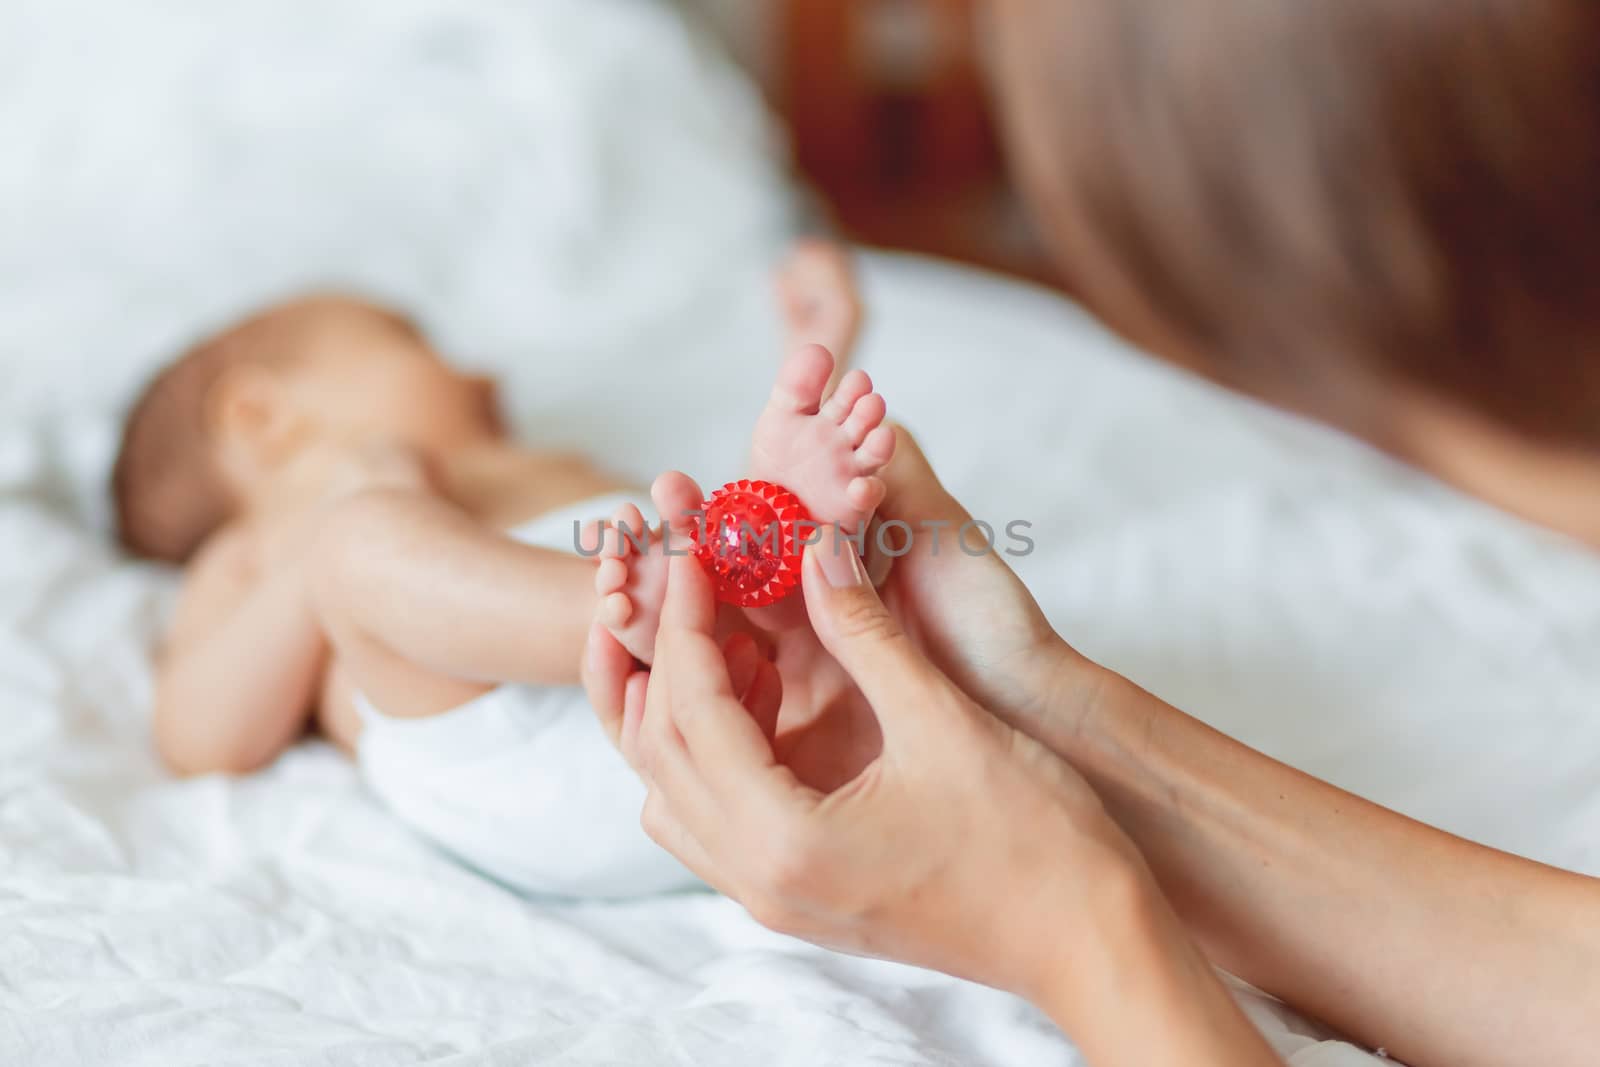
point(251, 420)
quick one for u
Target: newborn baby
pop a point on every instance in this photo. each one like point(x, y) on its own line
point(365, 549)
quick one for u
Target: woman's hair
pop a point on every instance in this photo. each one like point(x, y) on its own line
point(1331, 203)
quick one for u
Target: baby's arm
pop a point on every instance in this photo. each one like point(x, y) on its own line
point(237, 678)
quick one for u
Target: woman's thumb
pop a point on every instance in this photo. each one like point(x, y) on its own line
point(857, 629)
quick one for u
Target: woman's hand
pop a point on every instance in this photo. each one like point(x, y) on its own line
point(965, 846)
point(973, 617)
point(955, 849)
point(967, 609)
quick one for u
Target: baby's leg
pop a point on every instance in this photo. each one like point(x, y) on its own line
point(827, 452)
point(426, 608)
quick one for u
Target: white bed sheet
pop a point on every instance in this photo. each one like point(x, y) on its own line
point(1293, 589)
point(608, 256)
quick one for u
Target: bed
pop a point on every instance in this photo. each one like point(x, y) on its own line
point(583, 197)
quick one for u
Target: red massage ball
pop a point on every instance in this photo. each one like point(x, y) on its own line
point(751, 539)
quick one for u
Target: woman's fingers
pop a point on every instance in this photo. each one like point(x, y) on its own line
point(663, 827)
point(913, 492)
point(634, 695)
point(680, 811)
point(763, 699)
point(690, 604)
point(730, 748)
point(730, 751)
point(742, 657)
point(677, 500)
point(605, 671)
point(857, 630)
point(715, 790)
point(755, 681)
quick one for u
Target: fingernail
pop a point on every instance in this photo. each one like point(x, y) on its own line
point(836, 555)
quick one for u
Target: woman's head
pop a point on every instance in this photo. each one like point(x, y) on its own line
point(1385, 213)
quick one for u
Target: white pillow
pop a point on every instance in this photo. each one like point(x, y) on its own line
point(558, 179)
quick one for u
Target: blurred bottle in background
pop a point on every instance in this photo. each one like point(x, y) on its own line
point(887, 106)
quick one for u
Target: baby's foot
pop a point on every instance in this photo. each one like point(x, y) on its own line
point(826, 452)
point(817, 294)
point(631, 579)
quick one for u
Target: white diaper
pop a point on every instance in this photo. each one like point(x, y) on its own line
point(521, 783)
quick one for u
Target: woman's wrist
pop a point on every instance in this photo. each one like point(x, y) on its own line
point(1087, 919)
point(1069, 693)
point(1134, 988)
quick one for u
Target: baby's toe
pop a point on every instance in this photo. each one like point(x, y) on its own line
point(629, 521)
point(876, 450)
point(615, 611)
point(625, 533)
point(610, 576)
point(613, 545)
point(801, 379)
point(852, 388)
point(677, 499)
point(592, 538)
point(866, 416)
point(865, 494)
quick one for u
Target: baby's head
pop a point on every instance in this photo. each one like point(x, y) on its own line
point(219, 423)
point(1385, 213)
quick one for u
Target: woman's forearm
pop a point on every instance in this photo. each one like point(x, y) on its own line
point(1443, 951)
point(1136, 990)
